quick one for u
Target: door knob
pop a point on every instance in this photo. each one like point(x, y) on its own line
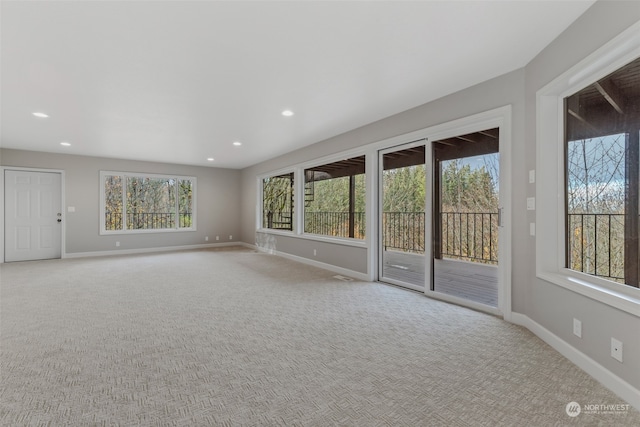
point(59, 220)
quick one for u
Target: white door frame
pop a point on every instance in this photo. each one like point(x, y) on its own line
point(497, 118)
point(62, 205)
point(501, 119)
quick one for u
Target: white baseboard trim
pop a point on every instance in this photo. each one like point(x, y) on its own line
point(149, 250)
point(614, 383)
point(342, 271)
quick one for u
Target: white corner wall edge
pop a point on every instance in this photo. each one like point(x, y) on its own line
point(148, 250)
point(614, 383)
point(343, 271)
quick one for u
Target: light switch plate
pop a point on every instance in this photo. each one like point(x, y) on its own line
point(531, 203)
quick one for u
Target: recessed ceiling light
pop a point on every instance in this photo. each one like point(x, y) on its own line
point(41, 115)
point(66, 144)
point(210, 159)
point(237, 143)
point(287, 113)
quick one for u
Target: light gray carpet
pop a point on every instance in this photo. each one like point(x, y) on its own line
point(232, 337)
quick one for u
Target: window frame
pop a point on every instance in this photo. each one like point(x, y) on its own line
point(303, 168)
point(294, 214)
point(550, 183)
point(370, 153)
point(124, 176)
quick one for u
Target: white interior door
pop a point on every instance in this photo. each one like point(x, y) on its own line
point(33, 215)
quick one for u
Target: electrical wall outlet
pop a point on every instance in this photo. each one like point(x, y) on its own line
point(206, 238)
point(230, 237)
point(616, 349)
point(117, 244)
point(217, 237)
point(532, 176)
point(577, 328)
point(315, 252)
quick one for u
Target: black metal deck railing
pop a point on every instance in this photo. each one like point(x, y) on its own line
point(278, 220)
point(465, 235)
point(334, 224)
point(470, 236)
point(147, 220)
point(403, 231)
point(596, 244)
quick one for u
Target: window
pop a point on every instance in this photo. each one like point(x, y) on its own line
point(601, 127)
point(133, 202)
point(602, 178)
point(334, 199)
point(277, 202)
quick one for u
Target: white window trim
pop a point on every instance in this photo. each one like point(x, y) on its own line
point(177, 229)
point(550, 191)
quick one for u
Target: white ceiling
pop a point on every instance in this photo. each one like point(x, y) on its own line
point(178, 82)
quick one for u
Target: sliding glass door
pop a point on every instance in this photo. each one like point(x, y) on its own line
point(402, 215)
point(466, 216)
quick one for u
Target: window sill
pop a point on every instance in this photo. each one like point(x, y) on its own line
point(345, 241)
point(164, 230)
point(623, 299)
point(288, 233)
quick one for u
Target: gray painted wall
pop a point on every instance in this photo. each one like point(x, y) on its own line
point(549, 305)
point(218, 200)
point(546, 304)
point(349, 257)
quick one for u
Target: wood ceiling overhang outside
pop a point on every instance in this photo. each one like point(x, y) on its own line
point(472, 144)
point(609, 106)
point(348, 167)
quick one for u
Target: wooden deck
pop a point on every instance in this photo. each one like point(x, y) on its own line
point(469, 280)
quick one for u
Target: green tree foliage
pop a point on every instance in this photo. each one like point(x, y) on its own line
point(113, 202)
point(404, 189)
point(150, 203)
point(332, 195)
point(327, 206)
point(277, 199)
point(185, 202)
point(467, 190)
